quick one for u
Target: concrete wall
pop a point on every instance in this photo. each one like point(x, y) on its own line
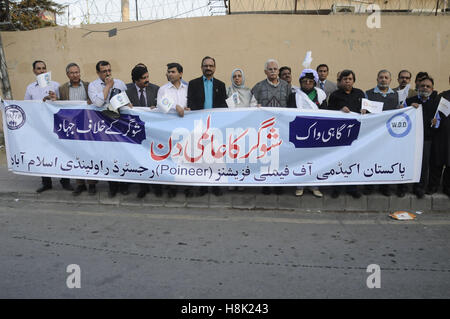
point(417, 43)
point(271, 5)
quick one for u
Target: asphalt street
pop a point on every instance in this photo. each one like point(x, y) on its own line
point(157, 252)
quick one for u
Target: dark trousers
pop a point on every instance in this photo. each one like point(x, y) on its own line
point(116, 186)
point(47, 181)
point(424, 174)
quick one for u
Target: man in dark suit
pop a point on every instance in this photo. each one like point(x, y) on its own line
point(204, 93)
point(326, 85)
point(142, 93)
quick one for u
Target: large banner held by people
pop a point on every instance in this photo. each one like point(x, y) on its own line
point(235, 147)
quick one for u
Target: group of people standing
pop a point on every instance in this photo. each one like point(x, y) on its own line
point(315, 91)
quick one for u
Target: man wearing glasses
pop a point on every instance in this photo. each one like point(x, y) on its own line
point(206, 92)
point(77, 90)
point(99, 92)
point(428, 98)
point(272, 92)
point(100, 89)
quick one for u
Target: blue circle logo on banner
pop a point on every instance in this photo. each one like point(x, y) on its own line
point(399, 125)
point(15, 117)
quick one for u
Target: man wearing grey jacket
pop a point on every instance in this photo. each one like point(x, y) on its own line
point(326, 85)
point(272, 91)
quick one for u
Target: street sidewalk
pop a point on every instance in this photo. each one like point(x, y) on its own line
point(14, 187)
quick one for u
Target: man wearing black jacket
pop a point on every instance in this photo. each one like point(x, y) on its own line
point(346, 99)
point(440, 153)
point(206, 92)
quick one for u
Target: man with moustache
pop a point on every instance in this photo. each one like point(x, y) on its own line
point(272, 91)
point(326, 85)
point(428, 98)
point(441, 153)
point(346, 99)
point(383, 93)
point(285, 73)
point(142, 93)
point(99, 92)
point(206, 92)
point(35, 92)
point(176, 90)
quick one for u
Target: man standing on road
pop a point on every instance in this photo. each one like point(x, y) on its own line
point(77, 90)
point(326, 85)
point(99, 92)
point(272, 91)
point(36, 92)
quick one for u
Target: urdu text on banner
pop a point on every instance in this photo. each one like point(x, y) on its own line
point(228, 147)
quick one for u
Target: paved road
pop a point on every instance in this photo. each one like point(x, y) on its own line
point(126, 252)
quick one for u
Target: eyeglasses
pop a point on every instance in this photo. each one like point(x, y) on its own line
point(105, 71)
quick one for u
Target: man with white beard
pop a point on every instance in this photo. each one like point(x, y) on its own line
point(383, 93)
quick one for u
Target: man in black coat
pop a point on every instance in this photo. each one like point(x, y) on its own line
point(428, 98)
point(206, 92)
point(142, 92)
point(440, 153)
point(346, 99)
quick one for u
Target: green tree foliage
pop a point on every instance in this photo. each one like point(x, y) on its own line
point(29, 14)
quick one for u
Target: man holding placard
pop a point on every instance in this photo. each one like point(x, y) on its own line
point(44, 89)
point(346, 99)
point(380, 98)
point(440, 154)
point(427, 98)
point(142, 93)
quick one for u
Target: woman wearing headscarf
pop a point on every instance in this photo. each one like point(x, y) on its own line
point(241, 95)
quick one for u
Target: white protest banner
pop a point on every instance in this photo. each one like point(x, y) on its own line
point(228, 147)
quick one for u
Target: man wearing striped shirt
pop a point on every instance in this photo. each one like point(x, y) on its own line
point(77, 90)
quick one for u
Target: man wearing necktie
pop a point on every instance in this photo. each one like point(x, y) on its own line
point(326, 85)
point(142, 92)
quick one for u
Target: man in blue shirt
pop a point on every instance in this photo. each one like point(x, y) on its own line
point(206, 92)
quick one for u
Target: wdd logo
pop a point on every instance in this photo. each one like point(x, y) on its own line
point(399, 125)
